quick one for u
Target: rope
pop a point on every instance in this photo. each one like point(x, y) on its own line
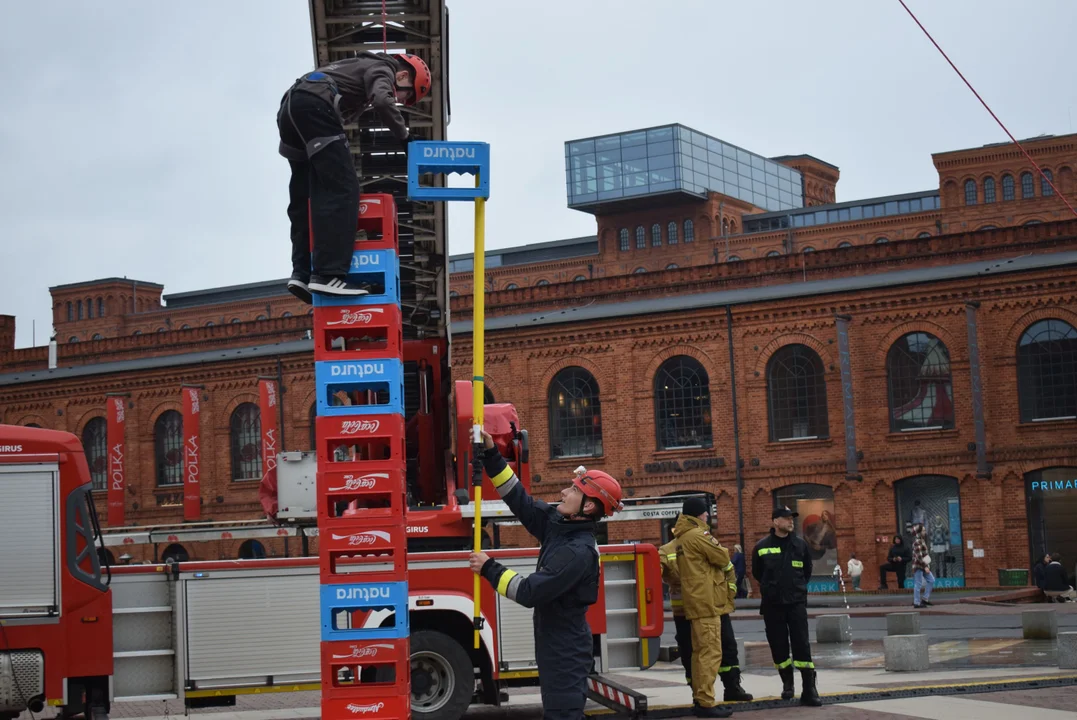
point(987, 107)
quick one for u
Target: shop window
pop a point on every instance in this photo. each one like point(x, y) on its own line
point(1051, 498)
point(574, 414)
point(816, 525)
point(934, 501)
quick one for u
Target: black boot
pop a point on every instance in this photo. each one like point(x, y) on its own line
point(712, 712)
point(733, 691)
point(810, 696)
point(787, 683)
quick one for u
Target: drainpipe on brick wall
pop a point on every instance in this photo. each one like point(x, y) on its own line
point(736, 425)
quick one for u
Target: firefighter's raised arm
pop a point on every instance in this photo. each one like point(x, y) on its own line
point(531, 512)
point(560, 573)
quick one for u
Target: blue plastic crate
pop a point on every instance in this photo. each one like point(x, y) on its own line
point(469, 158)
point(344, 598)
point(375, 266)
point(349, 375)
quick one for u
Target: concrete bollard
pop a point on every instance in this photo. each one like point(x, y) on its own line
point(904, 623)
point(833, 629)
point(1039, 624)
point(906, 653)
point(1067, 651)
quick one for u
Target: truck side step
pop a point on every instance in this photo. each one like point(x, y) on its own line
point(617, 697)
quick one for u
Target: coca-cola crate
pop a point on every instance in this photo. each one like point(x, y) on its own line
point(378, 218)
point(366, 668)
point(354, 551)
point(388, 707)
point(359, 442)
point(358, 332)
point(376, 494)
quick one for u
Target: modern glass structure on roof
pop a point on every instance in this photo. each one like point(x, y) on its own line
point(926, 201)
point(674, 159)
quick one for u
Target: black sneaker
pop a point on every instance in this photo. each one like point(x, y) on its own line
point(336, 286)
point(925, 602)
point(716, 711)
point(297, 286)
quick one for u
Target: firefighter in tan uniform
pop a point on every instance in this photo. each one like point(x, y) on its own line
point(708, 587)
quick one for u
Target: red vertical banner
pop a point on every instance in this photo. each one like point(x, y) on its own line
point(267, 404)
point(192, 454)
point(117, 451)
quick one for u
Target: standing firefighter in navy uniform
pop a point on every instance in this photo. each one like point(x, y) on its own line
point(565, 583)
point(782, 565)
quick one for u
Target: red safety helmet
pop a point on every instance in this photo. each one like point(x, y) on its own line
point(602, 488)
point(422, 77)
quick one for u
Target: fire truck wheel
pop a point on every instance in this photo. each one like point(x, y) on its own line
point(442, 676)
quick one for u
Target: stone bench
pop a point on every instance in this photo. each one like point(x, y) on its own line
point(906, 653)
point(833, 629)
point(903, 623)
point(1039, 624)
point(1067, 651)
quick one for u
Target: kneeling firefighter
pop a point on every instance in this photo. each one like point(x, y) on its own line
point(565, 583)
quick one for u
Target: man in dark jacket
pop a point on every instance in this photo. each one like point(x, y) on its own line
point(896, 563)
point(311, 122)
point(782, 565)
point(1055, 583)
point(565, 583)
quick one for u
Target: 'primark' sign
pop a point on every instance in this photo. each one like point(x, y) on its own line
point(1048, 485)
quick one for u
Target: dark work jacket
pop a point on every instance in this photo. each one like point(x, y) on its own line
point(782, 567)
point(368, 79)
point(1054, 577)
point(901, 552)
point(562, 588)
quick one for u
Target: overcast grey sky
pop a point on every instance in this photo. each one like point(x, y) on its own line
point(138, 138)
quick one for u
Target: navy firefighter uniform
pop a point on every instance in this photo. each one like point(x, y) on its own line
point(563, 587)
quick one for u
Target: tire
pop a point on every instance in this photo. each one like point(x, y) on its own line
point(442, 677)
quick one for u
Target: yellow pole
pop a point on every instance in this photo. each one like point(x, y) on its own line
point(478, 394)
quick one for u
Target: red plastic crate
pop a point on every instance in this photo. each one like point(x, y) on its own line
point(358, 332)
point(386, 707)
point(366, 668)
point(359, 442)
point(356, 551)
point(376, 494)
point(377, 215)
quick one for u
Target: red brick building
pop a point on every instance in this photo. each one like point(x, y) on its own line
point(729, 327)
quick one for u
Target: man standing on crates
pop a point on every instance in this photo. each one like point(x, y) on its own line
point(708, 588)
point(565, 583)
point(311, 121)
point(781, 564)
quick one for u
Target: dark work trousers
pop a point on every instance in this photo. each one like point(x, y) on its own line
point(684, 643)
point(899, 572)
point(730, 659)
point(327, 179)
point(785, 625)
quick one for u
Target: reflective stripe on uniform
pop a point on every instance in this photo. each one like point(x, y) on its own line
point(727, 668)
point(671, 556)
point(785, 664)
point(732, 586)
point(676, 603)
point(804, 665)
point(770, 551)
point(503, 582)
point(502, 477)
point(798, 563)
point(728, 567)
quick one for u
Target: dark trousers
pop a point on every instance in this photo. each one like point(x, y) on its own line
point(788, 625)
point(730, 658)
point(327, 179)
point(899, 574)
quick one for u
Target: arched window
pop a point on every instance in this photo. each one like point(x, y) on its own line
point(881, 241)
point(168, 448)
point(235, 321)
point(1045, 187)
point(773, 253)
point(175, 553)
point(97, 336)
point(251, 550)
point(1047, 371)
point(246, 436)
point(1027, 188)
point(725, 226)
point(919, 384)
point(210, 324)
point(185, 327)
point(639, 271)
point(796, 394)
point(95, 445)
point(579, 278)
point(733, 258)
point(845, 244)
point(689, 231)
point(1007, 187)
point(574, 414)
point(970, 192)
point(487, 395)
point(808, 249)
point(641, 238)
point(622, 239)
point(285, 314)
point(70, 312)
point(923, 235)
point(512, 286)
point(162, 330)
point(671, 231)
point(453, 293)
point(73, 339)
point(100, 307)
point(262, 317)
point(89, 308)
point(989, 190)
point(33, 425)
point(541, 283)
point(816, 525)
point(81, 311)
point(682, 404)
point(671, 266)
point(139, 332)
point(656, 235)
